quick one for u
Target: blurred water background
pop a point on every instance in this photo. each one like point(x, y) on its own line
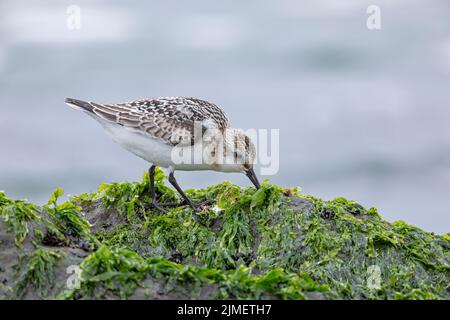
point(362, 114)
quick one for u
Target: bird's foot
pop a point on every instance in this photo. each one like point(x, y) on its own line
point(160, 205)
point(201, 206)
point(206, 203)
point(198, 207)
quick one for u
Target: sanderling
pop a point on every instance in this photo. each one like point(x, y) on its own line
point(152, 128)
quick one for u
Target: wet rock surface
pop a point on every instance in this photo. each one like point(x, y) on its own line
point(269, 244)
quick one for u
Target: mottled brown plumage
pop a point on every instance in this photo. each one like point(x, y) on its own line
point(171, 119)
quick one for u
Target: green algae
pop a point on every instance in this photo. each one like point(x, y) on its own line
point(66, 216)
point(63, 220)
point(130, 199)
point(121, 271)
point(39, 272)
point(117, 270)
point(16, 214)
point(272, 242)
point(260, 230)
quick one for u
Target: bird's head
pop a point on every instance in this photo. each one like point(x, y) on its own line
point(231, 150)
point(239, 148)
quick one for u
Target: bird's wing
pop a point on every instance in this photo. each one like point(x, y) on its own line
point(174, 120)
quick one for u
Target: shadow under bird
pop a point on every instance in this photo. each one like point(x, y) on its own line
point(152, 128)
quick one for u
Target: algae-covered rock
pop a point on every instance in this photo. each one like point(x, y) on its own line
point(274, 243)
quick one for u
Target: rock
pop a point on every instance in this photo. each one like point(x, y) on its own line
point(273, 243)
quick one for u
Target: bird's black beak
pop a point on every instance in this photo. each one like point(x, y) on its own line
point(253, 178)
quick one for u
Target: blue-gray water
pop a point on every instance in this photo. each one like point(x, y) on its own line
point(362, 114)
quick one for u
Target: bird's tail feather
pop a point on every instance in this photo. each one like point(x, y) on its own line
point(79, 104)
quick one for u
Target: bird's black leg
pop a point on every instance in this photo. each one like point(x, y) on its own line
point(151, 173)
point(253, 178)
point(174, 182)
point(186, 199)
point(156, 204)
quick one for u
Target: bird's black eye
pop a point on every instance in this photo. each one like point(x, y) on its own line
point(247, 143)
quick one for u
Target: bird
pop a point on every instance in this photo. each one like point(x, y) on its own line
point(175, 133)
